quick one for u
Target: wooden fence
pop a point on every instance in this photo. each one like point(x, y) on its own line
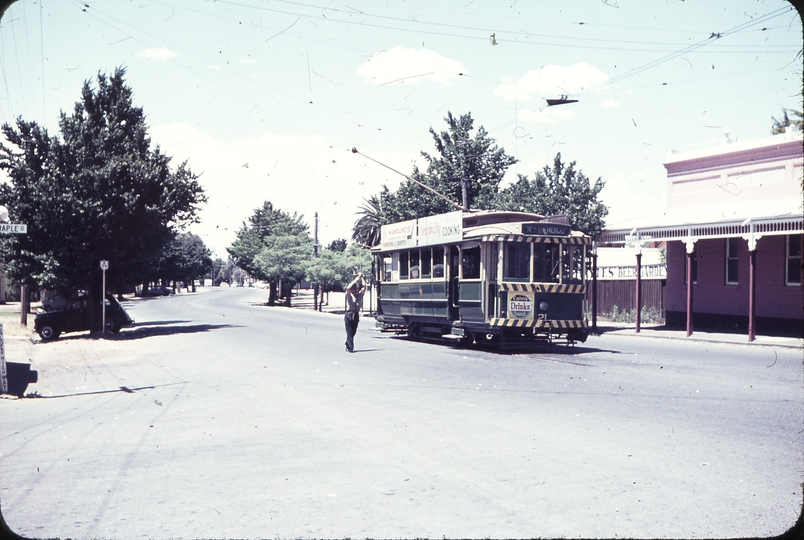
point(622, 293)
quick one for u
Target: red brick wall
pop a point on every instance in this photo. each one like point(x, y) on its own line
point(712, 295)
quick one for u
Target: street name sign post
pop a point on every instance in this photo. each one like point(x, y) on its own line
point(104, 266)
point(9, 228)
point(13, 228)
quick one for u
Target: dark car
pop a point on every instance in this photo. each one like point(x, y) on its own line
point(74, 317)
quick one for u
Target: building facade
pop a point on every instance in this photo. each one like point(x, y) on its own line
point(734, 223)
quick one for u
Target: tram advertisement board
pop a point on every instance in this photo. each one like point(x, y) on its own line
point(520, 306)
point(546, 229)
point(441, 229)
point(398, 235)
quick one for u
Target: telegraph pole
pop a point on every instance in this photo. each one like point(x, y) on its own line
point(315, 254)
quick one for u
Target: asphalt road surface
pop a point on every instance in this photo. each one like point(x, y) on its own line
point(219, 417)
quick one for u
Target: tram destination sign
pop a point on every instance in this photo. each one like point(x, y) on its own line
point(13, 228)
point(546, 229)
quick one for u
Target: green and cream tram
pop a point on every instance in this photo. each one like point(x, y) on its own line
point(483, 276)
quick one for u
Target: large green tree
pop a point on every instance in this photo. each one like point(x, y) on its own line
point(98, 192)
point(256, 243)
point(284, 259)
point(465, 164)
point(478, 165)
point(560, 189)
point(185, 258)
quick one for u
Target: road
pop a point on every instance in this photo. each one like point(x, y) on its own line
point(219, 417)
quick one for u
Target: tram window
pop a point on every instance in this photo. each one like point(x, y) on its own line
point(403, 265)
point(516, 265)
point(471, 263)
point(572, 263)
point(438, 262)
point(414, 264)
point(387, 266)
point(427, 260)
point(552, 263)
point(538, 262)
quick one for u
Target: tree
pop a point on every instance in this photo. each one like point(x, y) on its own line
point(559, 189)
point(266, 224)
point(366, 230)
point(334, 270)
point(779, 126)
point(468, 169)
point(98, 192)
point(185, 259)
point(284, 258)
point(339, 244)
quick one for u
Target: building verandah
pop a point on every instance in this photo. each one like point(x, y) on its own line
point(734, 223)
point(745, 275)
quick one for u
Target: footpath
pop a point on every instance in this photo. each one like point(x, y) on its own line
point(336, 305)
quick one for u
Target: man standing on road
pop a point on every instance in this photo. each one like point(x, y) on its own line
point(354, 302)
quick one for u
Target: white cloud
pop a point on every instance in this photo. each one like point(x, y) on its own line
point(157, 53)
point(551, 81)
point(247, 61)
point(609, 104)
point(409, 66)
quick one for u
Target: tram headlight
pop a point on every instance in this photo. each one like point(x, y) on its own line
point(543, 305)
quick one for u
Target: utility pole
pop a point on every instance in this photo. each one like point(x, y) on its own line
point(315, 254)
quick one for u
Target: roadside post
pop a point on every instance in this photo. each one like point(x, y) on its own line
point(3, 371)
point(104, 265)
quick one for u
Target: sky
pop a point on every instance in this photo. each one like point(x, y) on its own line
point(266, 99)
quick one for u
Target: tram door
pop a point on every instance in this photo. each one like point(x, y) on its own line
point(454, 265)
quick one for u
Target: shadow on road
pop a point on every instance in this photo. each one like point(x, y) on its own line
point(166, 329)
point(511, 348)
point(123, 389)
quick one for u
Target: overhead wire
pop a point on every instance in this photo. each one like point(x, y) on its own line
point(563, 40)
point(698, 45)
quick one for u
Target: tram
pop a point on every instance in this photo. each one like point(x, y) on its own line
point(484, 277)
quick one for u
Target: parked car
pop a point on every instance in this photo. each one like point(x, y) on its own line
point(74, 317)
point(161, 291)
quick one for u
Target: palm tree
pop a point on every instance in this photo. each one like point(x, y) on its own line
point(366, 230)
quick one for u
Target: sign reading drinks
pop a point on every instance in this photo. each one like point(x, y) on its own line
point(441, 229)
point(426, 231)
point(520, 306)
point(546, 229)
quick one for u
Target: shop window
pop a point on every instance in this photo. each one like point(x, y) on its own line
point(516, 263)
point(793, 255)
point(732, 248)
point(470, 263)
point(403, 265)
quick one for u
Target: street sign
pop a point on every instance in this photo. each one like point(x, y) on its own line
point(104, 265)
point(13, 228)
